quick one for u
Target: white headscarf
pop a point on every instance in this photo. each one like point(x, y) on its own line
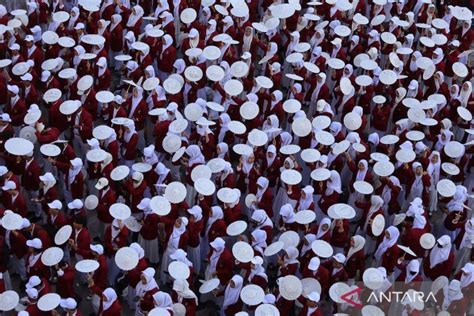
point(195, 155)
point(387, 242)
point(412, 266)
point(466, 280)
point(334, 183)
point(232, 294)
point(111, 296)
point(452, 293)
point(359, 243)
point(262, 183)
point(141, 289)
point(181, 287)
point(322, 232)
point(437, 254)
point(136, 15)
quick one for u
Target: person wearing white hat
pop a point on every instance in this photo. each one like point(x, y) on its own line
point(145, 289)
point(411, 276)
point(34, 266)
point(74, 180)
point(80, 241)
point(16, 106)
point(311, 306)
point(56, 217)
point(31, 94)
point(129, 138)
point(32, 301)
point(148, 234)
point(14, 199)
point(99, 277)
point(69, 305)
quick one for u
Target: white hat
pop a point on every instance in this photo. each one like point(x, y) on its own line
point(320, 174)
point(242, 251)
point(60, 16)
point(209, 286)
point(19, 146)
point(126, 258)
point(360, 19)
point(239, 69)
point(321, 122)
point(120, 211)
point(301, 126)
point(91, 201)
point(12, 221)
point(179, 270)
point(68, 303)
point(96, 155)
point(371, 310)
point(257, 137)
point(290, 287)
point(342, 30)
point(464, 113)
point(102, 132)
point(236, 228)
point(352, 121)
point(377, 20)
point(415, 135)
point(237, 127)
point(62, 235)
point(290, 149)
point(171, 143)
point(215, 73)
point(193, 111)
point(252, 294)
point(450, 168)
point(52, 95)
point(227, 195)
point(364, 80)
point(9, 300)
point(266, 310)
point(341, 211)
point(260, 27)
point(398, 219)
point(282, 11)
point(34, 243)
point(405, 155)
point(322, 248)
point(188, 15)
point(85, 83)
point(87, 266)
point(388, 77)
point(119, 173)
point(388, 38)
point(193, 73)
point(211, 52)
point(291, 177)
point(427, 241)
point(454, 149)
point(66, 42)
point(98, 248)
point(242, 149)
point(416, 114)
point(446, 188)
point(67, 73)
point(160, 205)
point(339, 257)
point(338, 290)
point(233, 87)
point(384, 168)
point(305, 217)
point(373, 278)
point(56, 204)
point(175, 192)
point(336, 63)
point(460, 69)
point(274, 248)
point(264, 82)
point(141, 167)
point(201, 172)
point(325, 138)
point(368, 64)
point(389, 139)
point(172, 85)
point(363, 187)
point(68, 107)
point(378, 225)
point(310, 155)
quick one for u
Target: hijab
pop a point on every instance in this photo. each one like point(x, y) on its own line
point(320, 233)
point(150, 284)
point(137, 13)
point(163, 300)
point(232, 294)
point(359, 243)
point(287, 214)
point(452, 293)
point(412, 266)
point(260, 217)
point(387, 242)
point(181, 287)
point(217, 214)
point(195, 155)
point(466, 280)
point(111, 296)
point(305, 203)
point(440, 254)
point(334, 183)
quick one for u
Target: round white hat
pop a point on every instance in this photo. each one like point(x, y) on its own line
point(91, 202)
point(243, 149)
point(233, 87)
point(405, 155)
point(384, 168)
point(388, 77)
point(227, 195)
point(266, 310)
point(172, 85)
point(96, 155)
point(363, 187)
point(460, 69)
point(364, 80)
point(464, 113)
point(454, 149)
point(236, 228)
point(50, 37)
point(336, 63)
point(320, 174)
point(257, 137)
point(66, 42)
point(378, 225)
point(67, 73)
point(446, 187)
point(264, 82)
point(142, 167)
point(215, 73)
point(242, 251)
point(322, 248)
point(62, 235)
point(204, 186)
point(188, 15)
point(126, 258)
point(87, 266)
point(120, 211)
point(301, 126)
point(290, 149)
point(60, 16)
point(274, 248)
point(291, 177)
point(305, 217)
point(310, 155)
point(68, 107)
point(216, 164)
point(193, 112)
point(341, 211)
point(209, 286)
point(9, 300)
point(52, 256)
point(160, 205)
point(28, 133)
point(249, 110)
point(388, 38)
point(12, 221)
point(179, 270)
point(237, 127)
point(427, 241)
point(325, 138)
point(352, 121)
point(239, 69)
point(389, 139)
point(119, 173)
point(85, 83)
point(291, 106)
point(193, 73)
point(290, 287)
point(178, 126)
point(211, 52)
point(150, 84)
point(171, 143)
point(175, 192)
point(252, 294)
point(201, 172)
point(450, 168)
point(337, 290)
point(290, 239)
point(373, 278)
point(19, 146)
point(48, 302)
point(371, 310)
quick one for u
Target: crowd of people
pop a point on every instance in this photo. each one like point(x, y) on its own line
point(239, 157)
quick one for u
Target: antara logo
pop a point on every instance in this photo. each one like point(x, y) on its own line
point(391, 296)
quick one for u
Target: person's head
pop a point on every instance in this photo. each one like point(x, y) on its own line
point(248, 31)
point(79, 222)
point(419, 170)
point(178, 222)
